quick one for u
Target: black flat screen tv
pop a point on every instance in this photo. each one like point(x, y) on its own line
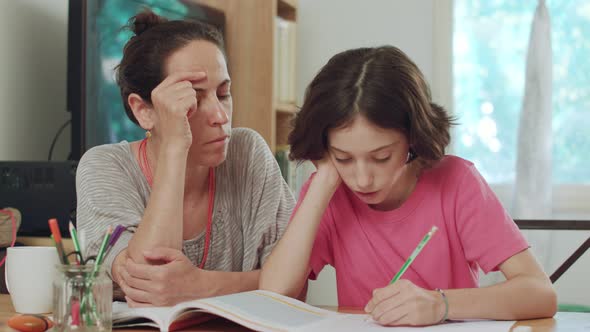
point(95, 46)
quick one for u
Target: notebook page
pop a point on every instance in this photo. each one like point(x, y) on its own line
point(353, 323)
point(266, 311)
point(162, 317)
point(123, 314)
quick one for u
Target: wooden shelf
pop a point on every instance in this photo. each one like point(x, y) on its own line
point(289, 3)
point(284, 125)
point(286, 108)
point(287, 9)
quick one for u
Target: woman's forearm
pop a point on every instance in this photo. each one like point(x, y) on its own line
point(161, 225)
point(522, 297)
point(286, 269)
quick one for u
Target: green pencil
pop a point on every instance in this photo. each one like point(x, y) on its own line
point(97, 263)
point(415, 253)
point(74, 236)
point(103, 246)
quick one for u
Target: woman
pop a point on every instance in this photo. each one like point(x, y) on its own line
point(203, 204)
point(383, 181)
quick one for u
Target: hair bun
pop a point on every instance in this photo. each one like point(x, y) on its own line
point(144, 21)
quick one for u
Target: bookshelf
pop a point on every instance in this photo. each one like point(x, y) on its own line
point(286, 108)
point(251, 37)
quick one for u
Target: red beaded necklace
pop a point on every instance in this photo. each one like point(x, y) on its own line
point(147, 172)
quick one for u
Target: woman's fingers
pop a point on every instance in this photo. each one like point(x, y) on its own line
point(173, 78)
point(178, 101)
point(134, 304)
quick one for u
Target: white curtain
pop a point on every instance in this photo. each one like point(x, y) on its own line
point(532, 191)
point(532, 195)
point(533, 187)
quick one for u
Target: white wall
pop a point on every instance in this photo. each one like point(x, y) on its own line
point(33, 36)
point(327, 27)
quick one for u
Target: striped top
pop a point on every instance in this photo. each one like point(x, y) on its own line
point(252, 203)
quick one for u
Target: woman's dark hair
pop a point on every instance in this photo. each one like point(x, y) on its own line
point(383, 85)
point(145, 54)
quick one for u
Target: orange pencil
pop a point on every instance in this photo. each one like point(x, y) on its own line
point(58, 243)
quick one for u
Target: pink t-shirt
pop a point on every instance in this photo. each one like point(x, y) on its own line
point(367, 247)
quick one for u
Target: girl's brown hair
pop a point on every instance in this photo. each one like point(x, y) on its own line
point(383, 85)
point(145, 54)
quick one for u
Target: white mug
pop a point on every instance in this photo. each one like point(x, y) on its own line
point(29, 274)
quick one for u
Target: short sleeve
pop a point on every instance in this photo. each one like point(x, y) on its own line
point(107, 196)
point(321, 253)
point(267, 201)
point(488, 235)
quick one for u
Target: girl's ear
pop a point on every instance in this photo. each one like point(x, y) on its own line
point(411, 156)
point(142, 110)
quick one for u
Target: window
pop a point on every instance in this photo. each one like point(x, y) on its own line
point(490, 41)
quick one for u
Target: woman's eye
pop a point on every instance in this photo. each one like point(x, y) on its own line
point(224, 97)
point(343, 160)
point(382, 160)
point(201, 95)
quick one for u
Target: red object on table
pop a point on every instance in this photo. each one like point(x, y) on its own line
point(30, 323)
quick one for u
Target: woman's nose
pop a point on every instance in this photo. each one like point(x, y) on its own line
point(217, 114)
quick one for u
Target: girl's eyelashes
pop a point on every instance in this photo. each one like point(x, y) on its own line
point(343, 160)
point(224, 97)
point(377, 160)
point(382, 160)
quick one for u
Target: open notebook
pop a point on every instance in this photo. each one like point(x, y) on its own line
point(258, 310)
point(266, 311)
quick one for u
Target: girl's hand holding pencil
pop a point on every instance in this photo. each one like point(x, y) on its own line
point(402, 302)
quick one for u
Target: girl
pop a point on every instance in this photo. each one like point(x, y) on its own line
point(382, 182)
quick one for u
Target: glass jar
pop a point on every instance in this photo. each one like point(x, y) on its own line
point(82, 298)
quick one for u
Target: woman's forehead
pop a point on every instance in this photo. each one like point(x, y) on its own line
point(199, 55)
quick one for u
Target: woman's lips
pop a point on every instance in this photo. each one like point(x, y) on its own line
point(221, 139)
